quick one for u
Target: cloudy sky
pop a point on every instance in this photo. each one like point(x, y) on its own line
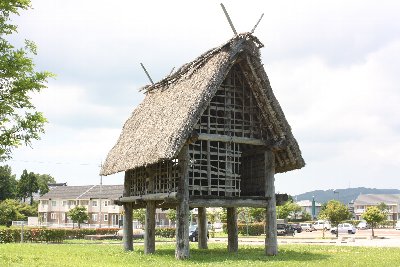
point(334, 67)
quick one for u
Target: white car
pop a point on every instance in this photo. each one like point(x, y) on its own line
point(362, 225)
point(398, 225)
point(320, 225)
point(308, 227)
point(346, 228)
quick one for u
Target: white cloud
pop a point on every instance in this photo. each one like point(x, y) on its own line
point(333, 67)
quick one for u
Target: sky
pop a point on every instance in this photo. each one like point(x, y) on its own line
point(334, 67)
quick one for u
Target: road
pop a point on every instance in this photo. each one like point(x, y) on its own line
point(384, 238)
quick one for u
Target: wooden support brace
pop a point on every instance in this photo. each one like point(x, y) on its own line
point(232, 230)
point(202, 227)
point(182, 210)
point(128, 228)
point(150, 225)
point(271, 242)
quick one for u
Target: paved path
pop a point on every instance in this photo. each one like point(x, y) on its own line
point(385, 238)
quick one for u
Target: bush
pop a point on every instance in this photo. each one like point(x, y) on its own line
point(253, 229)
point(168, 232)
point(52, 235)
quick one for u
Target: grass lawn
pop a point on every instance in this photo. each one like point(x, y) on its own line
point(113, 255)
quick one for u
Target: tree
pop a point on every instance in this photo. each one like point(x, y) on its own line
point(43, 181)
point(8, 184)
point(171, 215)
point(139, 215)
point(305, 216)
point(27, 185)
point(335, 212)
point(78, 214)
point(257, 214)
point(373, 216)
point(20, 123)
point(12, 210)
point(213, 215)
point(286, 209)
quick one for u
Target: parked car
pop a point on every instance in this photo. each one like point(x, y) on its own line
point(194, 233)
point(320, 225)
point(346, 228)
point(398, 225)
point(285, 229)
point(297, 227)
point(308, 227)
point(362, 225)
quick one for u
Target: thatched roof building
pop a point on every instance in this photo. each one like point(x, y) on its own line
point(160, 126)
point(212, 134)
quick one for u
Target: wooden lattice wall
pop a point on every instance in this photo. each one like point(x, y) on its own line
point(157, 178)
point(216, 168)
point(219, 168)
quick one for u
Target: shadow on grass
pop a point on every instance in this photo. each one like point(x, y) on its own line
point(245, 254)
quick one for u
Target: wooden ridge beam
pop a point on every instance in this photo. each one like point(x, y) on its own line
point(234, 139)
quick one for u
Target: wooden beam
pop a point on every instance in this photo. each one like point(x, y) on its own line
point(127, 234)
point(234, 139)
point(196, 202)
point(150, 197)
point(271, 242)
point(150, 228)
point(202, 228)
point(232, 230)
point(182, 210)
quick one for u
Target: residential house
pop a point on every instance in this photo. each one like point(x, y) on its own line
point(306, 206)
point(368, 200)
point(98, 201)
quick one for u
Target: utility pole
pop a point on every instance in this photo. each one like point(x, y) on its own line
point(101, 191)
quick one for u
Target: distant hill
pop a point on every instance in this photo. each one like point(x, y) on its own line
point(343, 195)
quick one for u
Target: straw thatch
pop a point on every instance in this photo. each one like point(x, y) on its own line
point(159, 127)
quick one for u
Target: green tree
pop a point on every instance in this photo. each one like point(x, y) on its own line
point(213, 215)
point(335, 212)
point(27, 185)
point(286, 209)
point(43, 181)
point(139, 215)
point(171, 215)
point(20, 123)
point(257, 214)
point(8, 183)
point(373, 216)
point(78, 214)
point(305, 216)
point(12, 210)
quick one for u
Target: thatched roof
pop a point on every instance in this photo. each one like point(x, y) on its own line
point(159, 127)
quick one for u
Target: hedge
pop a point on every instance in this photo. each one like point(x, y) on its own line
point(48, 235)
point(168, 232)
point(253, 229)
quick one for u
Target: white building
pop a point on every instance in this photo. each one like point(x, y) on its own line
point(306, 206)
point(54, 205)
point(368, 200)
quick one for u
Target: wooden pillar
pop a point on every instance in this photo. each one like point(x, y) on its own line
point(128, 227)
point(182, 210)
point(232, 229)
point(271, 242)
point(202, 227)
point(149, 235)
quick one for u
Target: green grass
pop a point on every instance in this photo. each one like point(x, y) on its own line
point(87, 254)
